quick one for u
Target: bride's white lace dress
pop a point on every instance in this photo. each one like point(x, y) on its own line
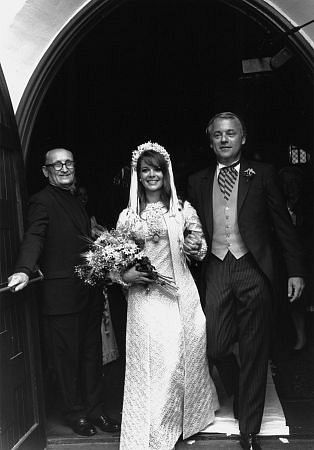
point(168, 390)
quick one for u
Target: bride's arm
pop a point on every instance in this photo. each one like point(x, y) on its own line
point(194, 243)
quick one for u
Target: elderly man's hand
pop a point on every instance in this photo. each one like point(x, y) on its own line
point(18, 281)
point(295, 288)
point(96, 228)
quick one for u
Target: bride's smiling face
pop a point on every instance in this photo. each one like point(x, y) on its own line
point(151, 177)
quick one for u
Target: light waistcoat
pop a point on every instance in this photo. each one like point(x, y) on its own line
point(226, 235)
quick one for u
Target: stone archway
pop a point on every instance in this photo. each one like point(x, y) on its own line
point(39, 35)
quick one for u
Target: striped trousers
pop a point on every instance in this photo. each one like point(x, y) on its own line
point(238, 309)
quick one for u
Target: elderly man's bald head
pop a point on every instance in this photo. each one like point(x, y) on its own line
point(51, 154)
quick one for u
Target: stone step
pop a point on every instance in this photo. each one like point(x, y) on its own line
point(267, 443)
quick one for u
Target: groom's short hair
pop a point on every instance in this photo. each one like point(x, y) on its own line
point(225, 115)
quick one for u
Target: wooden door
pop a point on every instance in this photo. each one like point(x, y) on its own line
point(21, 400)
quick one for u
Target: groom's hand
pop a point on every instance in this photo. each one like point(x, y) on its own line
point(295, 288)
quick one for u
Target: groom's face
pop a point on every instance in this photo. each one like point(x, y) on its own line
point(226, 139)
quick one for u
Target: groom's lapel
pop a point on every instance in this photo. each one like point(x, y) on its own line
point(244, 184)
point(207, 197)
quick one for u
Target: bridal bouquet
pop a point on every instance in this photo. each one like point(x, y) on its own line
point(111, 254)
point(108, 256)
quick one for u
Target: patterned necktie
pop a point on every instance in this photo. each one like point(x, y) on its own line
point(226, 179)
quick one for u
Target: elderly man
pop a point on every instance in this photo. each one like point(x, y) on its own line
point(239, 204)
point(71, 311)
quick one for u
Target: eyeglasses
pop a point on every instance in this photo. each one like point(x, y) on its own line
point(58, 165)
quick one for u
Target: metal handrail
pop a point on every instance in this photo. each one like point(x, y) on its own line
point(32, 280)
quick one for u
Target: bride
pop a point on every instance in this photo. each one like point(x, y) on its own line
point(168, 390)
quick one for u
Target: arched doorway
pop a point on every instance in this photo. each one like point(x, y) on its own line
point(272, 17)
point(157, 71)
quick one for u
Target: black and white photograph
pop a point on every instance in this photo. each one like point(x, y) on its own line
point(156, 225)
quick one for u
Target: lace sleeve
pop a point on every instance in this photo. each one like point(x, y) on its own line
point(193, 226)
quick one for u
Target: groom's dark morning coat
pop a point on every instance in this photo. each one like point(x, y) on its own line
point(236, 293)
point(261, 211)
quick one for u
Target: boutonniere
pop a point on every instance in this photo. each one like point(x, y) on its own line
point(248, 173)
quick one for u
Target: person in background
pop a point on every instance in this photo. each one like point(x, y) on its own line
point(239, 204)
point(109, 350)
point(168, 390)
point(96, 228)
point(291, 179)
point(71, 311)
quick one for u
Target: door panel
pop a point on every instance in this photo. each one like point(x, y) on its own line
point(21, 401)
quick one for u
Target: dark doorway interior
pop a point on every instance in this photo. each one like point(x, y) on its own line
point(157, 71)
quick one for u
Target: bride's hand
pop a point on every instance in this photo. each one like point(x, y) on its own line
point(132, 276)
point(192, 244)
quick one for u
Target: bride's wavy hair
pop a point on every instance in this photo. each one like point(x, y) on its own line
point(157, 161)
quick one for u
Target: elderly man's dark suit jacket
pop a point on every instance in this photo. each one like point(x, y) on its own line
point(261, 210)
point(54, 239)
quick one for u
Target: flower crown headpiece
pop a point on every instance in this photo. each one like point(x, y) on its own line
point(149, 146)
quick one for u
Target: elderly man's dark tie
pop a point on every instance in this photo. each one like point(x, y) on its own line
point(226, 179)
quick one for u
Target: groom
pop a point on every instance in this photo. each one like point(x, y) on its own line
point(240, 205)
